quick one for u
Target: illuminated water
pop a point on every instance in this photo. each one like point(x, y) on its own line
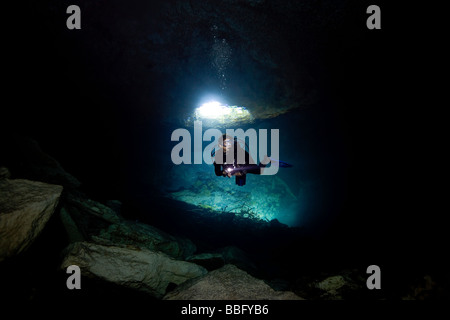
point(298, 196)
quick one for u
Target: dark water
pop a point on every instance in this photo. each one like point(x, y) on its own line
point(357, 184)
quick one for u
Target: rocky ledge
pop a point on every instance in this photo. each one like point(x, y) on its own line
point(25, 208)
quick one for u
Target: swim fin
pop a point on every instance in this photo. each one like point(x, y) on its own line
point(281, 164)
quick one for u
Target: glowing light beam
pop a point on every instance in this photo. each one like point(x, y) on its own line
point(214, 112)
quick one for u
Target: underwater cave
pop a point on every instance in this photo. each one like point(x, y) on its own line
point(109, 154)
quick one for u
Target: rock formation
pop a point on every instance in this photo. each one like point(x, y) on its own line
point(228, 283)
point(25, 208)
point(131, 267)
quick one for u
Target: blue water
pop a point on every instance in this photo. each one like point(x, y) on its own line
point(308, 194)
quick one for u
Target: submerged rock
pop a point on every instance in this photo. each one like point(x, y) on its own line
point(131, 267)
point(145, 236)
point(4, 173)
point(228, 283)
point(25, 208)
point(210, 261)
point(337, 287)
point(72, 231)
point(115, 205)
point(90, 207)
point(331, 284)
point(87, 219)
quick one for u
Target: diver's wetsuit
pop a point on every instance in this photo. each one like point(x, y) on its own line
point(249, 168)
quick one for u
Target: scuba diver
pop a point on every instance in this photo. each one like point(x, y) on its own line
point(235, 168)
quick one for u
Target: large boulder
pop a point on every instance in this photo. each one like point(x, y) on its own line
point(96, 222)
point(25, 208)
point(84, 218)
point(149, 237)
point(79, 203)
point(131, 267)
point(228, 283)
